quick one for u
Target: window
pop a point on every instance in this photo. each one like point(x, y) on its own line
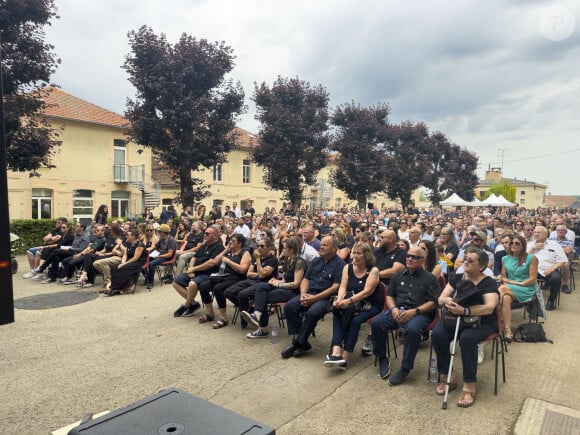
point(120, 203)
point(522, 201)
point(166, 202)
point(119, 168)
point(217, 172)
point(522, 192)
point(246, 172)
point(83, 206)
point(41, 203)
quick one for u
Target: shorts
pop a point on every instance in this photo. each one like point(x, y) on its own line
point(183, 280)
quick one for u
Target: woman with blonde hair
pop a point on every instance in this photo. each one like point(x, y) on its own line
point(343, 247)
point(359, 298)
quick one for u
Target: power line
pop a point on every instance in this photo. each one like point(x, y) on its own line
point(539, 156)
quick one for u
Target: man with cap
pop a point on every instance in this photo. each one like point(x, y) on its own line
point(164, 250)
point(477, 238)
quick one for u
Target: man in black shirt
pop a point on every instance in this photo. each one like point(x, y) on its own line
point(411, 300)
point(187, 284)
point(320, 282)
point(194, 241)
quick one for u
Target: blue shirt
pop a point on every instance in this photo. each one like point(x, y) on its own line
point(321, 275)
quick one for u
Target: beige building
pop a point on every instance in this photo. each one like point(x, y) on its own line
point(94, 165)
point(528, 193)
point(240, 180)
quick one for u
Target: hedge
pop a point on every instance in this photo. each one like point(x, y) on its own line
point(31, 232)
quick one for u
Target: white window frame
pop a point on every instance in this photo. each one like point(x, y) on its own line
point(218, 172)
point(41, 197)
point(246, 171)
point(81, 205)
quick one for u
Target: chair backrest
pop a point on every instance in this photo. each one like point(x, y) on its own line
point(442, 282)
point(383, 288)
point(146, 265)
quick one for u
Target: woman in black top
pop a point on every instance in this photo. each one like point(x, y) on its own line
point(277, 290)
point(123, 277)
point(359, 287)
point(482, 299)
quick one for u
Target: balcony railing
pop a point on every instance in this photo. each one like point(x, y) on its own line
point(133, 174)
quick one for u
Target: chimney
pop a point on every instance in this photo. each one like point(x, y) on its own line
point(493, 174)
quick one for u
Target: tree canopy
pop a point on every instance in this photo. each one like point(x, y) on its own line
point(293, 119)
point(27, 64)
point(450, 169)
point(360, 141)
point(185, 109)
point(504, 188)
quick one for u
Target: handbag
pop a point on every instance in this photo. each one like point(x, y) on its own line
point(216, 278)
point(449, 319)
point(531, 333)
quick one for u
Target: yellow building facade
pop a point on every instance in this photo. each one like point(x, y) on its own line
point(528, 193)
point(94, 165)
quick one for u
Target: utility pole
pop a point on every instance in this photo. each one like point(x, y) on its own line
point(6, 289)
point(501, 152)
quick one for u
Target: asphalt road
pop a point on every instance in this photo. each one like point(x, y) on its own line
point(59, 363)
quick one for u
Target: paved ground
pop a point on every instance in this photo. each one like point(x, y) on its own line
point(60, 363)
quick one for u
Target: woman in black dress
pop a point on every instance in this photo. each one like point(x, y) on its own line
point(123, 277)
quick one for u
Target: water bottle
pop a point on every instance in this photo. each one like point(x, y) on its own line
point(274, 333)
point(433, 374)
point(222, 267)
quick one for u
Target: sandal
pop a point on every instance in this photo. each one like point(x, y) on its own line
point(113, 292)
point(509, 337)
point(88, 284)
point(220, 323)
point(206, 318)
point(440, 390)
point(128, 290)
point(464, 395)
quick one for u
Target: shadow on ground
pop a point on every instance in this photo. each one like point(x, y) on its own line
point(54, 300)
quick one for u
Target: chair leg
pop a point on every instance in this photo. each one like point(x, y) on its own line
point(236, 315)
point(496, 346)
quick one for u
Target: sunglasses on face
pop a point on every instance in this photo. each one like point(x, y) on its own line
point(515, 244)
point(468, 260)
point(414, 257)
point(207, 233)
point(262, 246)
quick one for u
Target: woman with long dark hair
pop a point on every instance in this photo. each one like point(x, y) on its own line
point(431, 264)
point(102, 214)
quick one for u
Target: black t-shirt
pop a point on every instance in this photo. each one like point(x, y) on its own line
point(237, 258)
point(486, 285)
point(270, 260)
point(356, 285)
point(386, 260)
point(207, 252)
point(193, 240)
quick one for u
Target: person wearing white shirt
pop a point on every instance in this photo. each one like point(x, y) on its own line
point(242, 228)
point(551, 258)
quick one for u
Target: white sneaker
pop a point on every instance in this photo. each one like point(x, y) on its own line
point(480, 353)
point(367, 347)
point(29, 274)
point(38, 276)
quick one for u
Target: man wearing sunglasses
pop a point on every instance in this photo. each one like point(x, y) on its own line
point(478, 238)
point(411, 301)
point(205, 263)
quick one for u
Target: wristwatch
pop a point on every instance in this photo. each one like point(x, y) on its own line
point(418, 311)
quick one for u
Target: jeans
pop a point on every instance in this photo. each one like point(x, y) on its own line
point(349, 335)
point(270, 295)
point(414, 329)
point(468, 340)
point(302, 320)
point(152, 266)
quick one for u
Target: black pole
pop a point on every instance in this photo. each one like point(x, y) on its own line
point(6, 289)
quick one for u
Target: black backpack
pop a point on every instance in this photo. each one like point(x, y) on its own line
point(531, 333)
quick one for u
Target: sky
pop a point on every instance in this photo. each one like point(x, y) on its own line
point(498, 77)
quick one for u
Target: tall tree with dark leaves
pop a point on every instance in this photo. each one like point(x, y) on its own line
point(27, 64)
point(451, 169)
point(406, 160)
point(460, 172)
point(293, 119)
point(360, 140)
point(185, 109)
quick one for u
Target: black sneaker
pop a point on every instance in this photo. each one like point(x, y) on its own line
point(302, 349)
point(550, 305)
point(566, 289)
point(179, 312)
point(384, 368)
point(398, 377)
point(335, 361)
point(191, 309)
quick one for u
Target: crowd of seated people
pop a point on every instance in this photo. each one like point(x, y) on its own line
point(277, 258)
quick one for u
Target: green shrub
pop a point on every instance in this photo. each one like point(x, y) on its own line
point(31, 232)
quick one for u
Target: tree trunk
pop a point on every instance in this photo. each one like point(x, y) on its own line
point(186, 187)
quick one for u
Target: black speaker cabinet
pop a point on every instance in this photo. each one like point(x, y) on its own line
point(172, 412)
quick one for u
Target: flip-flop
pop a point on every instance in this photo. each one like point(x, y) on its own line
point(462, 397)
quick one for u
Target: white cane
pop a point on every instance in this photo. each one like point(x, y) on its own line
point(447, 383)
